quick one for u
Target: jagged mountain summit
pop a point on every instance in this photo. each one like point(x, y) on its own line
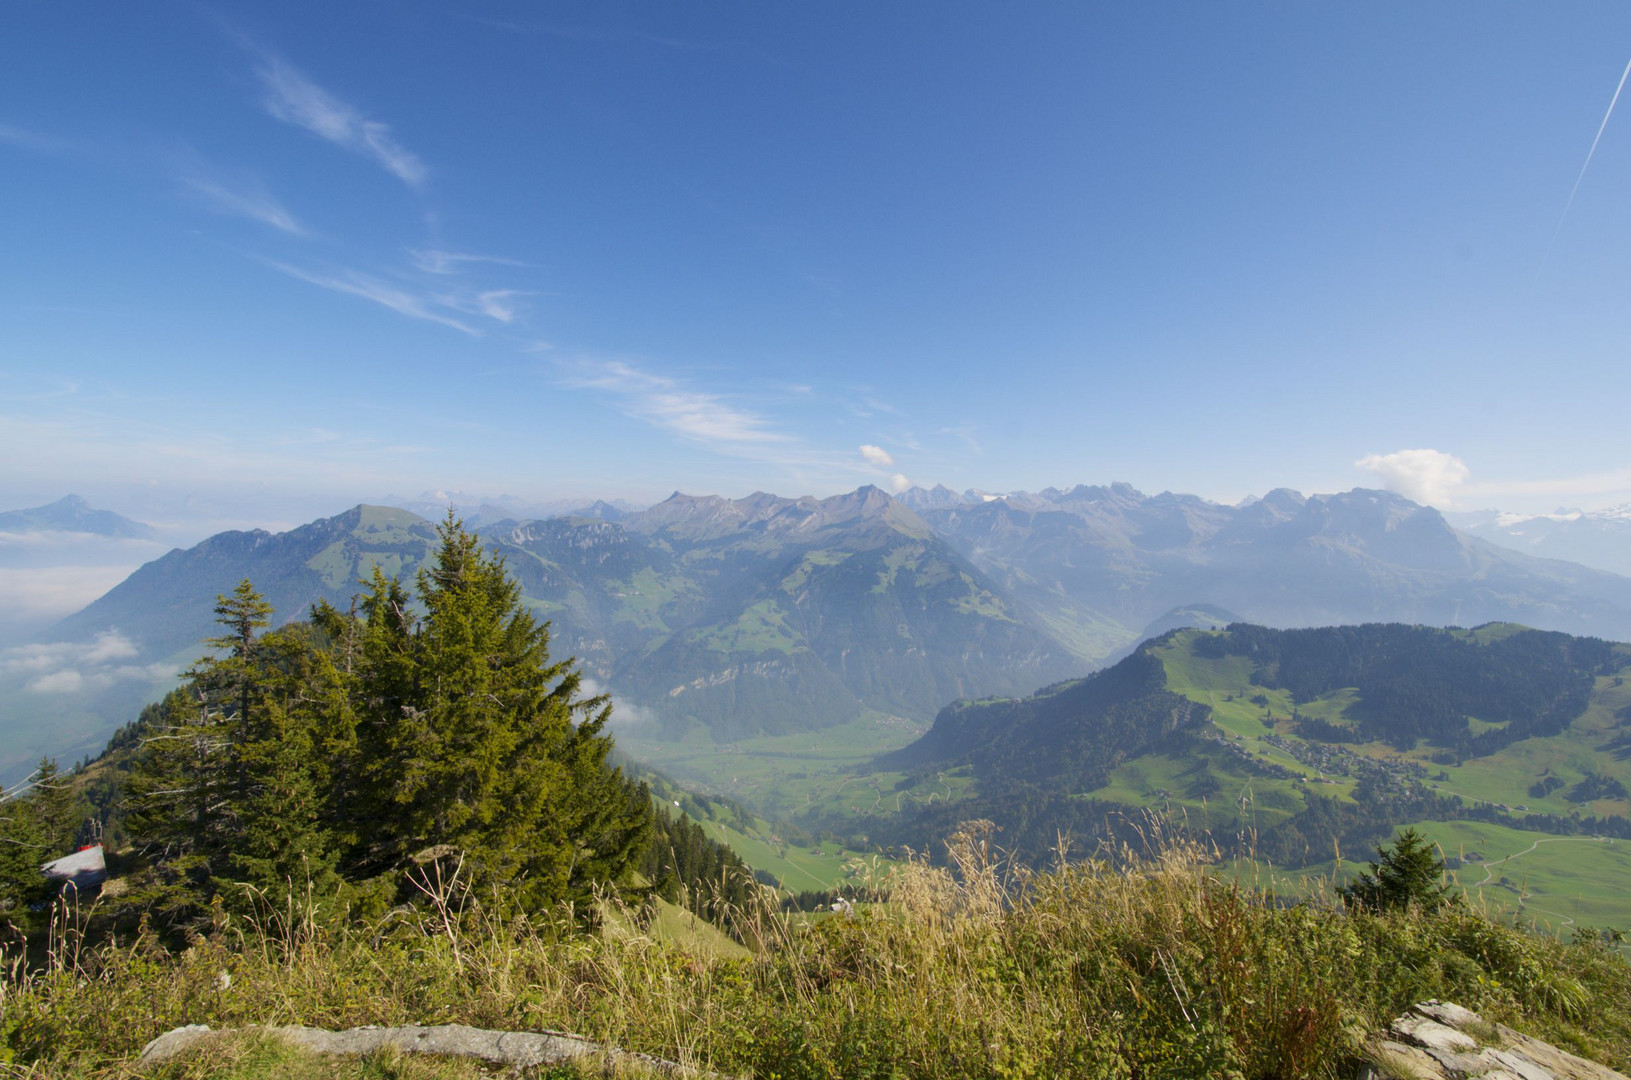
point(775, 614)
point(762, 614)
point(1093, 561)
point(487, 510)
point(73, 514)
point(769, 614)
point(1596, 538)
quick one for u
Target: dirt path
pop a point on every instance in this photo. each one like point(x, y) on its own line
point(1489, 867)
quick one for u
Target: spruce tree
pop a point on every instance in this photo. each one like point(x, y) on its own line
point(1408, 873)
point(363, 746)
point(23, 848)
point(475, 743)
point(175, 802)
point(280, 843)
point(57, 806)
point(225, 795)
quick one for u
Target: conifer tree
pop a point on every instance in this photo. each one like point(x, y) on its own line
point(1406, 873)
point(280, 842)
point(23, 848)
point(174, 801)
point(57, 806)
point(363, 745)
point(225, 795)
point(475, 742)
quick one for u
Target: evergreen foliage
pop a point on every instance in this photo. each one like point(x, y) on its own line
point(346, 756)
point(1405, 874)
point(686, 867)
point(22, 849)
point(1419, 682)
point(59, 809)
point(43, 819)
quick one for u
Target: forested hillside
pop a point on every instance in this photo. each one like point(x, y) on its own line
point(1292, 745)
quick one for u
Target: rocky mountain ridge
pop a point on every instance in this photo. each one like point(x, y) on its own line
point(775, 614)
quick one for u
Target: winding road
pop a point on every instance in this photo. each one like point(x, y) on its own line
point(1489, 867)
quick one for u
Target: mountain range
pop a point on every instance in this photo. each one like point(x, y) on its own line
point(73, 514)
point(766, 614)
point(1597, 538)
point(1097, 564)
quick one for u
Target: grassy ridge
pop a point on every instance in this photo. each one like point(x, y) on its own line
point(1158, 969)
point(1245, 773)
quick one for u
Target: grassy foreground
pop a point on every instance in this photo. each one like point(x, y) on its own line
point(1153, 969)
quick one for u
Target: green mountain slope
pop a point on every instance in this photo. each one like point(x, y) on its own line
point(100, 665)
point(772, 615)
point(1287, 745)
point(739, 617)
point(167, 606)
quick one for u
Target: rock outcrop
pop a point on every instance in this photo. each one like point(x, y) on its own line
point(517, 1049)
point(1438, 1040)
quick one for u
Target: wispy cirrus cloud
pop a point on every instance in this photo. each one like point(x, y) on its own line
point(496, 304)
point(416, 296)
point(431, 261)
point(399, 300)
point(667, 403)
point(25, 139)
point(250, 200)
point(296, 99)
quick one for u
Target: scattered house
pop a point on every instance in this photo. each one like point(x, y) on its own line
point(84, 869)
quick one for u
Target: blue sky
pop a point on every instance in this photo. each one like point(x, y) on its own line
point(260, 262)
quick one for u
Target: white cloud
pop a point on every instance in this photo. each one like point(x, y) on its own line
point(431, 261)
point(1431, 477)
point(496, 305)
point(625, 713)
point(108, 645)
point(70, 667)
point(877, 455)
point(252, 202)
point(898, 483)
point(666, 403)
point(46, 593)
point(66, 681)
point(398, 300)
point(295, 99)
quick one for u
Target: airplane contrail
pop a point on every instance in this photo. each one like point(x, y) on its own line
point(1611, 103)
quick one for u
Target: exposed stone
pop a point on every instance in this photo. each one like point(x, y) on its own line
point(1447, 1012)
point(1432, 1035)
point(518, 1049)
point(173, 1042)
point(1438, 1040)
